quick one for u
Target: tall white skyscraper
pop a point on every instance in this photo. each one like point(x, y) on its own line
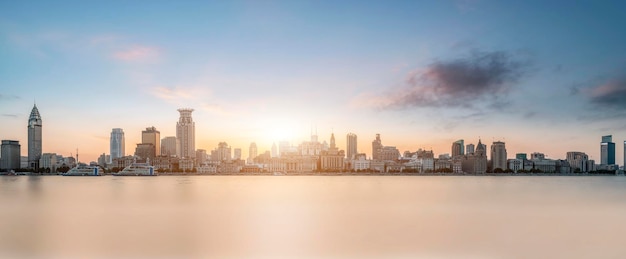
point(186, 133)
point(117, 145)
point(351, 145)
point(34, 138)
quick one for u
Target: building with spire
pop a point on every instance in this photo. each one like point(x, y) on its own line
point(186, 133)
point(34, 138)
point(332, 159)
point(476, 162)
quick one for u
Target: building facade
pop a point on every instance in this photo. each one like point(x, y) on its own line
point(351, 145)
point(170, 146)
point(498, 155)
point(377, 145)
point(34, 138)
point(152, 136)
point(186, 134)
point(607, 150)
point(252, 152)
point(458, 148)
point(10, 155)
point(117, 144)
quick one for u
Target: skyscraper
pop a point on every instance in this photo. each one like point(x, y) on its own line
point(607, 150)
point(469, 149)
point(152, 136)
point(117, 144)
point(10, 155)
point(498, 155)
point(377, 146)
point(458, 148)
point(34, 138)
point(351, 145)
point(252, 153)
point(186, 133)
point(170, 146)
point(237, 153)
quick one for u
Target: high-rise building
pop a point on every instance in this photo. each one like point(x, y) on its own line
point(377, 146)
point(578, 161)
point(469, 149)
point(152, 136)
point(252, 153)
point(170, 146)
point(607, 150)
point(475, 162)
point(34, 138)
point(274, 150)
point(498, 155)
point(201, 157)
point(10, 155)
point(186, 134)
point(351, 149)
point(237, 153)
point(458, 148)
point(145, 151)
point(223, 152)
point(117, 144)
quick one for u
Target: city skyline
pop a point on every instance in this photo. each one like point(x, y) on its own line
point(541, 78)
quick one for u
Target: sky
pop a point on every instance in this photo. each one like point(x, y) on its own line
point(542, 76)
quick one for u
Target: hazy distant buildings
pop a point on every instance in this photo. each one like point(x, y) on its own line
point(201, 156)
point(498, 155)
point(274, 150)
point(469, 149)
point(223, 152)
point(49, 162)
point(284, 147)
point(458, 148)
point(237, 154)
point(170, 146)
point(34, 138)
point(351, 145)
point(252, 153)
point(377, 146)
point(332, 159)
point(186, 134)
point(10, 155)
point(152, 136)
point(117, 144)
point(607, 150)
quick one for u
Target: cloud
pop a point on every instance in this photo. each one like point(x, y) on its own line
point(137, 54)
point(480, 77)
point(195, 96)
point(9, 97)
point(10, 115)
point(610, 95)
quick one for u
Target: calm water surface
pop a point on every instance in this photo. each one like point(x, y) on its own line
point(312, 216)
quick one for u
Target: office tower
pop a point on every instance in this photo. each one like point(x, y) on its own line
point(152, 136)
point(223, 152)
point(469, 149)
point(377, 146)
point(169, 146)
point(274, 150)
point(201, 156)
point(145, 151)
point(34, 138)
point(252, 153)
point(498, 155)
point(10, 155)
point(458, 148)
point(117, 146)
point(607, 150)
point(186, 134)
point(578, 161)
point(351, 145)
point(237, 153)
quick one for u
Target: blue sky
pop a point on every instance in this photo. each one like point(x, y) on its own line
point(542, 76)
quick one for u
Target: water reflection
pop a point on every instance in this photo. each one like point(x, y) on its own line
point(345, 217)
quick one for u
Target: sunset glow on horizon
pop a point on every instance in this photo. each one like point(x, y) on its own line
point(542, 77)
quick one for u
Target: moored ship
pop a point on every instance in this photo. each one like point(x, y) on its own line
point(83, 170)
point(137, 169)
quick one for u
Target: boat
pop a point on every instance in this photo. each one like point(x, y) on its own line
point(137, 169)
point(83, 170)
